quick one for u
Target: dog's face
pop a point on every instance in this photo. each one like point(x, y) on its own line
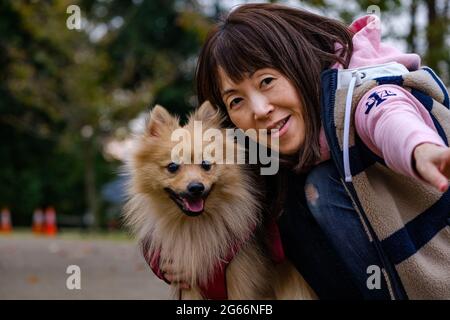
point(187, 186)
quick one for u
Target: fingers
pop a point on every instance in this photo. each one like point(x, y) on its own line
point(176, 281)
point(445, 163)
point(176, 278)
point(433, 165)
point(173, 274)
point(444, 169)
point(433, 175)
point(184, 285)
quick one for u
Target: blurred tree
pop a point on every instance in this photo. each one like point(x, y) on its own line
point(437, 55)
point(50, 77)
point(435, 52)
point(152, 52)
point(65, 92)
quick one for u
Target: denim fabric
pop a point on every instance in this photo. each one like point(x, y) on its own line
point(325, 239)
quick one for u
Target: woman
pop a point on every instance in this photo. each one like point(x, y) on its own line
point(272, 67)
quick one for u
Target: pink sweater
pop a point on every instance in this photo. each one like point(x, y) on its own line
point(388, 119)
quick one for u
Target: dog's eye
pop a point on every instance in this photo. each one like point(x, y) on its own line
point(206, 165)
point(173, 167)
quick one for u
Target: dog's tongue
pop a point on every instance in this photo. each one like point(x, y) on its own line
point(194, 205)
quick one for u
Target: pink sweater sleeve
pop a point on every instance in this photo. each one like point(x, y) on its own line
point(392, 122)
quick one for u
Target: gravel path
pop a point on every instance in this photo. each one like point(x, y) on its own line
point(35, 268)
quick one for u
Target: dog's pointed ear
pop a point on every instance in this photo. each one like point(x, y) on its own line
point(209, 114)
point(160, 121)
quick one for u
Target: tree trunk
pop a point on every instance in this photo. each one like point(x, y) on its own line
point(411, 38)
point(435, 36)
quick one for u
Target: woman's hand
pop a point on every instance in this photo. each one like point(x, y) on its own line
point(432, 162)
point(174, 277)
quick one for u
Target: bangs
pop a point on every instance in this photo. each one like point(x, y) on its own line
point(240, 52)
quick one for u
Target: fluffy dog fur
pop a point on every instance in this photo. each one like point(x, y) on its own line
point(231, 214)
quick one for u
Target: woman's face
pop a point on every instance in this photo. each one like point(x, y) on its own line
point(266, 100)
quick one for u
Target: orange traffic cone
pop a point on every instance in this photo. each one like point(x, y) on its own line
point(38, 221)
point(5, 223)
point(50, 221)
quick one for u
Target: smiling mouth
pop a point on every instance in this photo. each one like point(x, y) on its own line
point(279, 125)
point(190, 205)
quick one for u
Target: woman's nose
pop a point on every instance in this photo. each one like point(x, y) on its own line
point(261, 108)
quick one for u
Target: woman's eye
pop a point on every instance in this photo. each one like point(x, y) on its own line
point(234, 102)
point(266, 81)
point(173, 167)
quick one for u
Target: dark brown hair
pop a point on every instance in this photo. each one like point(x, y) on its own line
point(297, 43)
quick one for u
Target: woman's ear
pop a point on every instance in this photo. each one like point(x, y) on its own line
point(209, 114)
point(160, 122)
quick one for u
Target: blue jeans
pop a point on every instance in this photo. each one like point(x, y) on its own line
point(324, 238)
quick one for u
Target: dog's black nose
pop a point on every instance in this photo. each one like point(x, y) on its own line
point(195, 188)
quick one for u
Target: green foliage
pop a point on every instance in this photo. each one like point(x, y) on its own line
point(57, 83)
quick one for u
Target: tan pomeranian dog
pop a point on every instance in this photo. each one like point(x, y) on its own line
point(203, 219)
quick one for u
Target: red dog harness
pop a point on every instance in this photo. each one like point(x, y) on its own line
point(216, 288)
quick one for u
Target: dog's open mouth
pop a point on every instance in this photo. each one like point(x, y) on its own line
point(191, 206)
